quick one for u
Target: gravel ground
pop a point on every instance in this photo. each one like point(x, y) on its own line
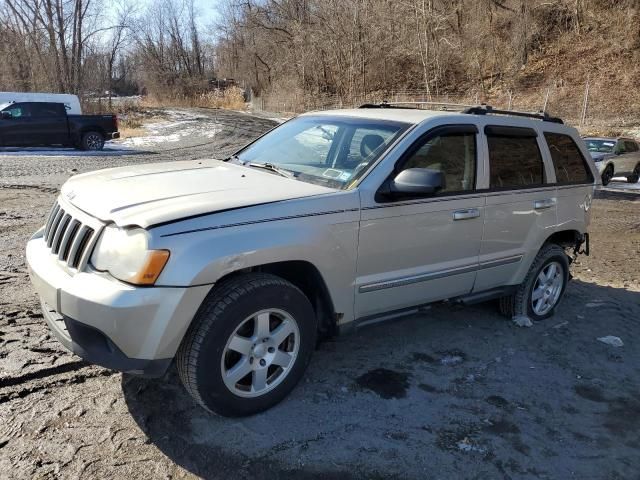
point(455, 392)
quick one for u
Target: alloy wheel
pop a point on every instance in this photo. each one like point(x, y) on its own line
point(547, 288)
point(260, 353)
point(93, 141)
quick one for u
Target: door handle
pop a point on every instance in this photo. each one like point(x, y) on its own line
point(466, 214)
point(546, 203)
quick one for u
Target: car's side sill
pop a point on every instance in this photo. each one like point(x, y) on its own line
point(486, 295)
point(470, 299)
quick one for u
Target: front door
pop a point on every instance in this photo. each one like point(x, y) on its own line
point(49, 123)
point(16, 131)
point(418, 250)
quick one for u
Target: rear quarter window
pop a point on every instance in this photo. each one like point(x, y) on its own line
point(569, 164)
point(515, 160)
point(47, 109)
point(630, 146)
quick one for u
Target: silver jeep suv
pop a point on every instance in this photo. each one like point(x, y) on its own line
point(615, 157)
point(331, 221)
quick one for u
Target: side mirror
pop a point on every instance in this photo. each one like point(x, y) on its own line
point(416, 182)
point(5, 115)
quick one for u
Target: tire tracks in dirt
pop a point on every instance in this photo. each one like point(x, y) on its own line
point(33, 385)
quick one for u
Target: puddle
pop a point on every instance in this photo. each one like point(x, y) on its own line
point(500, 427)
point(386, 383)
point(428, 388)
point(497, 401)
point(422, 357)
point(589, 392)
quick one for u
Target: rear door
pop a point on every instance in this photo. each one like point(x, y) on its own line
point(414, 251)
point(520, 210)
point(631, 158)
point(49, 123)
point(16, 130)
point(574, 180)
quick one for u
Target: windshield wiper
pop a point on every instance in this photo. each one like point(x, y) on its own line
point(266, 166)
point(272, 168)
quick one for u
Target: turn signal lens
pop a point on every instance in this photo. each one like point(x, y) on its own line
point(152, 268)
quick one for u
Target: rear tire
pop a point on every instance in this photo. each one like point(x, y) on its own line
point(92, 141)
point(536, 297)
point(607, 175)
point(635, 176)
point(256, 323)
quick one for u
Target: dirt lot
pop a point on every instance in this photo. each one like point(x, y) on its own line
point(456, 392)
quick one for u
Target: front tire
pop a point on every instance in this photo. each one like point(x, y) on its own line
point(92, 141)
point(543, 287)
point(248, 345)
point(607, 175)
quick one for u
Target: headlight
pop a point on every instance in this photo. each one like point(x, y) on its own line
point(124, 254)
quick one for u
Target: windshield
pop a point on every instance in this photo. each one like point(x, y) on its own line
point(601, 146)
point(325, 150)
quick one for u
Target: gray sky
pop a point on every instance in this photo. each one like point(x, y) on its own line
point(207, 9)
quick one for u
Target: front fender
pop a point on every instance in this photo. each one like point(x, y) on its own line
point(324, 234)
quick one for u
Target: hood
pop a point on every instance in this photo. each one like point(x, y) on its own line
point(150, 194)
point(599, 156)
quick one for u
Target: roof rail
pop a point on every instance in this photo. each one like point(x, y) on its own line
point(442, 105)
point(489, 110)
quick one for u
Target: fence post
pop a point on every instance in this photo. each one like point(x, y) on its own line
point(585, 103)
point(510, 99)
point(546, 100)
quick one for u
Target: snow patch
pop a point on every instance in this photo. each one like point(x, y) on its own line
point(181, 125)
point(611, 340)
point(522, 321)
point(107, 151)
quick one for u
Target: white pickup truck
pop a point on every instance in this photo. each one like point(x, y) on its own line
point(233, 269)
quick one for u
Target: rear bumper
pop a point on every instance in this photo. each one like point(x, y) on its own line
point(110, 323)
point(114, 135)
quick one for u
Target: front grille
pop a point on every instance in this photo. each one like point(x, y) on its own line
point(68, 237)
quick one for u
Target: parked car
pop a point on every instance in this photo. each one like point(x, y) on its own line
point(71, 102)
point(332, 221)
point(48, 123)
point(615, 157)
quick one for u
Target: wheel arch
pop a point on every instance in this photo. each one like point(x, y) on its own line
point(611, 165)
point(92, 128)
point(565, 238)
point(309, 280)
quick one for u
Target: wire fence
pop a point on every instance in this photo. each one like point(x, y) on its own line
point(587, 105)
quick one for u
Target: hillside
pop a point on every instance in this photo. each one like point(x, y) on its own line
point(298, 55)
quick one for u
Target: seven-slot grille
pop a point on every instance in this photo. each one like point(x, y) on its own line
point(68, 237)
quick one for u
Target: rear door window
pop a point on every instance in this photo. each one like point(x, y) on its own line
point(42, 109)
point(515, 160)
point(568, 162)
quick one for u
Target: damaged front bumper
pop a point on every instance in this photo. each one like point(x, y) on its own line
point(108, 322)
